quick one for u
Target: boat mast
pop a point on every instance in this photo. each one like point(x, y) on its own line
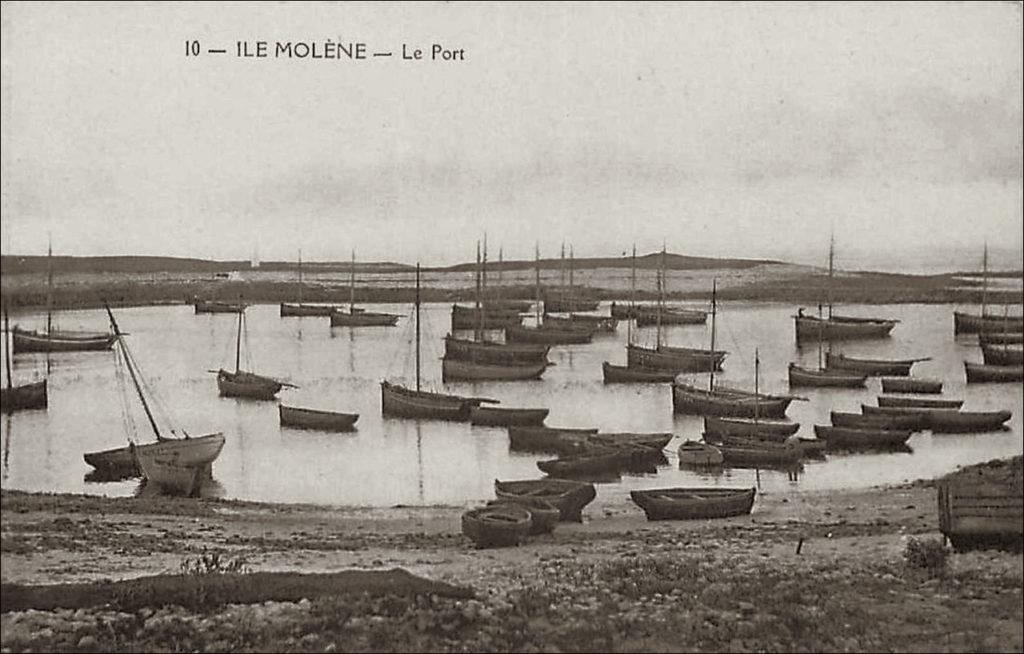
point(352, 284)
point(7, 345)
point(479, 331)
point(572, 292)
point(131, 371)
point(300, 275)
point(561, 275)
point(714, 312)
point(483, 291)
point(831, 269)
point(757, 386)
point(536, 268)
point(632, 300)
point(238, 341)
point(661, 295)
point(49, 298)
point(417, 326)
point(984, 282)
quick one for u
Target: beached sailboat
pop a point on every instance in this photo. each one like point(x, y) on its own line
point(401, 402)
point(301, 309)
point(356, 317)
point(986, 323)
point(176, 464)
point(241, 383)
point(24, 396)
point(834, 327)
point(53, 340)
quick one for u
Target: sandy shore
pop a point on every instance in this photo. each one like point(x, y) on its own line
point(852, 551)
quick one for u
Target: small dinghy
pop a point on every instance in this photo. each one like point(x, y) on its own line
point(700, 503)
point(501, 525)
point(698, 454)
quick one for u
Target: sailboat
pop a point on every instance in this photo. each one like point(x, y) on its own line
point(545, 332)
point(301, 309)
point(175, 464)
point(722, 401)
point(402, 402)
point(246, 384)
point(355, 317)
point(636, 374)
point(26, 396)
point(968, 323)
point(53, 340)
point(834, 327)
point(664, 357)
point(566, 301)
point(479, 360)
point(824, 377)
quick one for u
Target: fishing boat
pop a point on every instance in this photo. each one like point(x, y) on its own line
point(301, 309)
point(967, 323)
point(655, 441)
point(980, 373)
point(54, 340)
point(564, 299)
point(217, 306)
point(397, 401)
point(926, 403)
point(836, 327)
point(824, 378)
point(688, 399)
point(501, 525)
point(24, 396)
point(1000, 338)
point(613, 374)
point(911, 385)
point(746, 451)
point(671, 316)
point(174, 464)
point(455, 367)
point(316, 419)
point(548, 439)
point(947, 420)
point(1002, 355)
point(674, 358)
point(241, 383)
point(543, 514)
point(749, 427)
point(699, 454)
point(480, 318)
point(546, 332)
point(913, 422)
point(694, 503)
point(873, 367)
point(583, 321)
point(504, 417)
point(862, 437)
point(497, 353)
point(356, 317)
point(569, 496)
point(593, 460)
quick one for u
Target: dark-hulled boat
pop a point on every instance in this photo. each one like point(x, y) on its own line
point(593, 460)
point(1000, 338)
point(217, 306)
point(748, 451)
point(948, 420)
point(494, 304)
point(474, 318)
point(569, 496)
point(827, 378)
point(670, 316)
point(315, 419)
point(1002, 355)
point(676, 359)
point(655, 441)
point(548, 439)
point(596, 324)
point(547, 335)
point(59, 341)
point(873, 367)
point(543, 514)
point(360, 318)
point(925, 403)
point(861, 438)
point(840, 328)
point(401, 402)
point(247, 384)
point(978, 373)
point(23, 397)
point(500, 525)
point(489, 352)
point(700, 454)
point(967, 323)
point(911, 385)
point(913, 422)
point(634, 375)
point(749, 427)
point(299, 310)
point(688, 399)
point(504, 417)
point(694, 503)
point(461, 370)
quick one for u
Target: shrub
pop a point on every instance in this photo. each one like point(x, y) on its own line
point(214, 563)
point(926, 554)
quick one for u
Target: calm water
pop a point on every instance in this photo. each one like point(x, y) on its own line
point(389, 462)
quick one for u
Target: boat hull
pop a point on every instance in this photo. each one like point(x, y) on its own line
point(544, 515)
point(400, 402)
point(803, 377)
point(301, 418)
point(500, 525)
point(859, 421)
point(502, 417)
point(499, 353)
point(675, 359)
point(548, 439)
point(247, 385)
point(924, 403)
point(179, 465)
point(547, 336)
point(950, 421)
point(695, 453)
point(693, 401)
point(26, 341)
point(569, 496)
point(217, 307)
point(746, 427)
point(470, 318)
point(341, 318)
point(910, 385)
point(305, 309)
point(458, 370)
point(625, 375)
point(24, 397)
point(568, 305)
point(810, 328)
point(1002, 355)
point(591, 461)
point(978, 373)
point(648, 318)
point(694, 503)
point(872, 367)
point(748, 452)
point(967, 323)
point(861, 438)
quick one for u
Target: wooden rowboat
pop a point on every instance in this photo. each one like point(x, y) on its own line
point(488, 352)
point(501, 525)
point(697, 453)
point(676, 359)
point(504, 417)
point(215, 306)
point(548, 439)
point(688, 399)
point(840, 328)
point(913, 422)
point(461, 370)
point(593, 460)
point(694, 503)
point(314, 419)
point(855, 438)
point(669, 316)
point(360, 318)
point(967, 323)
point(980, 373)
point(247, 384)
point(826, 378)
point(749, 427)
point(911, 385)
point(635, 375)
point(747, 451)
point(653, 441)
point(401, 402)
point(1003, 355)
point(543, 514)
point(605, 324)
point(569, 496)
point(547, 335)
point(925, 403)
point(1000, 338)
point(179, 465)
point(894, 367)
point(305, 309)
point(59, 341)
point(948, 420)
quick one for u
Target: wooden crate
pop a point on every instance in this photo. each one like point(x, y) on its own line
point(983, 508)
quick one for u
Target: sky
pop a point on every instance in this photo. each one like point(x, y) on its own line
point(752, 130)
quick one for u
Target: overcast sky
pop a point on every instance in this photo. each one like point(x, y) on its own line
point(740, 130)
